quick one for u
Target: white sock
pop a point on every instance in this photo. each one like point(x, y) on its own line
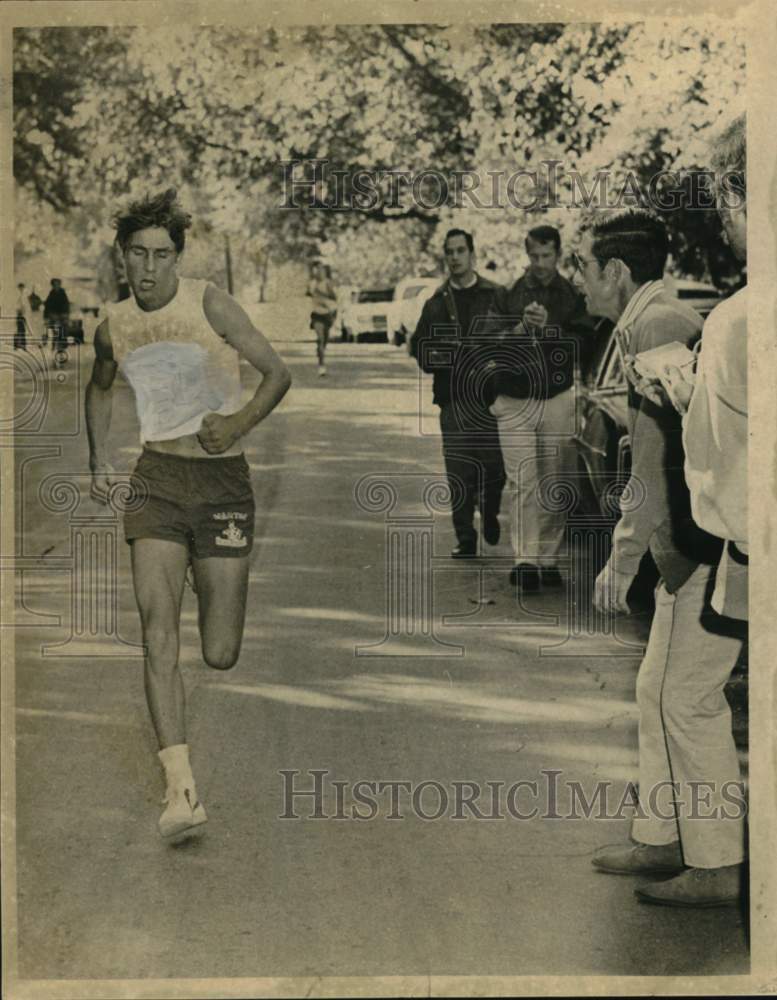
point(175, 760)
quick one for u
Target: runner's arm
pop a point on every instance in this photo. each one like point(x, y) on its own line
point(99, 399)
point(231, 322)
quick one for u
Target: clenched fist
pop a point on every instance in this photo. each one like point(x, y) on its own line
point(217, 433)
point(102, 481)
point(535, 314)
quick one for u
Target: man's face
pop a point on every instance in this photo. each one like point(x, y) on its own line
point(543, 260)
point(601, 293)
point(152, 267)
point(458, 257)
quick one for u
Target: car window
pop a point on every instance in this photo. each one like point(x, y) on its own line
point(376, 295)
point(413, 290)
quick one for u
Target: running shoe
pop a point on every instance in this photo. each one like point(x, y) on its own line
point(322, 369)
point(184, 812)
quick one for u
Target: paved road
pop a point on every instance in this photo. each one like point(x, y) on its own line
point(256, 895)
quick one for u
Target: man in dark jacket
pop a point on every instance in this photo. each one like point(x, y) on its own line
point(451, 342)
point(56, 313)
point(534, 406)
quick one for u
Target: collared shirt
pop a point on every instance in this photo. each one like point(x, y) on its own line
point(656, 507)
point(638, 303)
point(715, 426)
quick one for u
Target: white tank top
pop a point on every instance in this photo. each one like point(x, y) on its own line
point(178, 366)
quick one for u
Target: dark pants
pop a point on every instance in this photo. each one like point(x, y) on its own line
point(474, 466)
point(20, 337)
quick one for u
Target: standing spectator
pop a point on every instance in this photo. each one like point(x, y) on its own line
point(534, 406)
point(22, 318)
point(699, 744)
point(56, 314)
point(688, 768)
point(447, 344)
point(715, 424)
point(324, 309)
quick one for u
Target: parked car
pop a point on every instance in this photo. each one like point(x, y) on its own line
point(369, 318)
point(409, 298)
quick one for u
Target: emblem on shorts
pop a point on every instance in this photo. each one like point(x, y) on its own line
point(232, 537)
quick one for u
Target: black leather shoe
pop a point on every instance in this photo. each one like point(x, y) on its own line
point(491, 529)
point(525, 577)
point(551, 577)
point(465, 551)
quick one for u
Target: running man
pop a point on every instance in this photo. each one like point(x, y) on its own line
point(178, 342)
point(322, 316)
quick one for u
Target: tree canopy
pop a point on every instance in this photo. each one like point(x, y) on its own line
point(105, 113)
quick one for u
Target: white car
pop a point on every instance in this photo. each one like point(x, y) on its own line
point(411, 293)
point(369, 318)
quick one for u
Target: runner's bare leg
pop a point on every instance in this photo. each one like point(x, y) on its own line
point(222, 588)
point(158, 572)
point(321, 339)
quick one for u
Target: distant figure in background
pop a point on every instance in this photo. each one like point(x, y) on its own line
point(322, 291)
point(56, 314)
point(22, 319)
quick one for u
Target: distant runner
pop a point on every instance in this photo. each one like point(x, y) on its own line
point(178, 342)
point(324, 309)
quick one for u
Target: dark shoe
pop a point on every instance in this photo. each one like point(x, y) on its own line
point(468, 551)
point(526, 577)
point(640, 859)
point(696, 887)
point(552, 578)
point(491, 529)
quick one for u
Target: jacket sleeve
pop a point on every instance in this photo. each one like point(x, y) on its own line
point(423, 337)
point(655, 437)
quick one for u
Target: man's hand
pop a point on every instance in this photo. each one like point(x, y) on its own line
point(535, 315)
point(610, 590)
point(217, 433)
point(651, 389)
point(102, 481)
point(680, 390)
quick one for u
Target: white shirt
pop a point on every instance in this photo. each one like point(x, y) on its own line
point(178, 366)
point(715, 426)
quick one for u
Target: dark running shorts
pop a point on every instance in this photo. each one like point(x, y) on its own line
point(205, 504)
point(326, 319)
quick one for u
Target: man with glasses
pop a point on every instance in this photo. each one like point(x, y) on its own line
point(690, 823)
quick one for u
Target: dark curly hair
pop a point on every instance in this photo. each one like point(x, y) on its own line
point(637, 238)
point(159, 211)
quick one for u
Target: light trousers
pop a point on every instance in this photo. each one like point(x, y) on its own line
point(536, 437)
point(689, 779)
